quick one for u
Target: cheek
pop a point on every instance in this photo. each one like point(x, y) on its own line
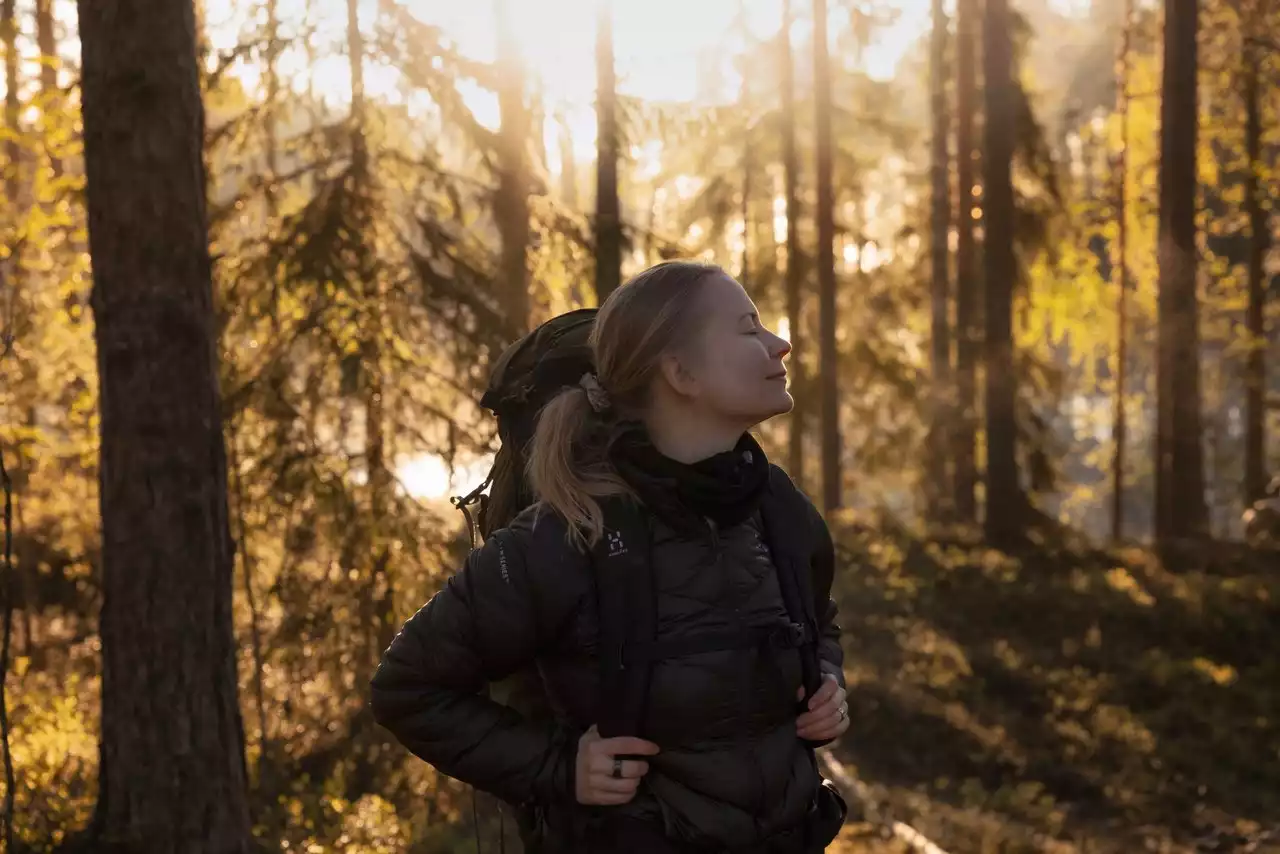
point(736, 370)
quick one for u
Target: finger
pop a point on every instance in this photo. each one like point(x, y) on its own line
point(833, 721)
point(824, 733)
point(833, 699)
point(604, 783)
point(824, 716)
point(832, 706)
point(610, 798)
point(824, 693)
point(600, 764)
point(627, 746)
point(818, 723)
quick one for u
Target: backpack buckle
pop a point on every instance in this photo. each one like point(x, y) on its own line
point(787, 636)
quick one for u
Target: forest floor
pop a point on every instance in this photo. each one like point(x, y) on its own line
point(1065, 700)
point(1060, 700)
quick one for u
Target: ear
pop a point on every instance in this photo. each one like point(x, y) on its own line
point(678, 376)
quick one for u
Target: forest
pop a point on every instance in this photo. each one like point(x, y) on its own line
point(257, 258)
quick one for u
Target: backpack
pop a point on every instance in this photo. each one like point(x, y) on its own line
point(526, 376)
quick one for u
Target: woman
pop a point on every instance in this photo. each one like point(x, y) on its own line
point(684, 370)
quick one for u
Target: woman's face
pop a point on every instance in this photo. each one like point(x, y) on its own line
point(732, 369)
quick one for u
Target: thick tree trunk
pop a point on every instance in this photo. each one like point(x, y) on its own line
point(1255, 443)
point(608, 212)
point(968, 330)
point(828, 362)
point(172, 772)
point(795, 267)
point(1005, 511)
point(941, 424)
point(1180, 499)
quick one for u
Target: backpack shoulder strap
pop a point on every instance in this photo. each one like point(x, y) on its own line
point(628, 614)
point(787, 529)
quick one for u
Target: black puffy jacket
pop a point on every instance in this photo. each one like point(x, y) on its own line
point(732, 772)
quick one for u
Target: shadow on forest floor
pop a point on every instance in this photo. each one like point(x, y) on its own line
point(1064, 699)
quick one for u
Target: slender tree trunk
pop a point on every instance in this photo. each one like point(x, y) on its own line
point(748, 168)
point(1255, 447)
point(829, 367)
point(356, 119)
point(537, 122)
point(568, 165)
point(1121, 271)
point(608, 213)
point(745, 277)
point(172, 771)
point(377, 606)
point(1005, 513)
point(1180, 498)
point(941, 414)
point(968, 331)
point(270, 108)
point(47, 43)
point(246, 580)
point(12, 110)
point(511, 206)
point(795, 267)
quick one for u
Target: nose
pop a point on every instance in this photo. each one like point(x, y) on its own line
point(778, 347)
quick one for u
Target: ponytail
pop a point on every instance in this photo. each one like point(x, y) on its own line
point(569, 468)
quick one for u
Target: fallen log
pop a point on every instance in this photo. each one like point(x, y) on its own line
point(875, 812)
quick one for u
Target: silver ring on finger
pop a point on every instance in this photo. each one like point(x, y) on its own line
point(617, 768)
point(844, 712)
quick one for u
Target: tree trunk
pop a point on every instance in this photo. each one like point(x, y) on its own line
point(795, 269)
point(828, 367)
point(1180, 499)
point(748, 162)
point(1255, 447)
point(12, 110)
point(568, 165)
point(511, 204)
point(608, 213)
point(940, 352)
point(377, 607)
point(47, 44)
point(1121, 271)
point(968, 331)
point(172, 771)
point(1005, 514)
point(270, 115)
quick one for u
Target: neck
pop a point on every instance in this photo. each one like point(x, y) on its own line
point(688, 442)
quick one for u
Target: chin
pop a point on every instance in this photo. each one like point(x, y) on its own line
point(778, 404)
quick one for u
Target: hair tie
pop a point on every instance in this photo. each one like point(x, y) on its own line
point(596, 395)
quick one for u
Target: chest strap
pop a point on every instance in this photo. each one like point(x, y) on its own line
point(779, 635)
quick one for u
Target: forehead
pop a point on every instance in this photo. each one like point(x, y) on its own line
point(723, 297)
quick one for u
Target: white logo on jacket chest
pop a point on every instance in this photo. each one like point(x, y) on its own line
point(616, 546)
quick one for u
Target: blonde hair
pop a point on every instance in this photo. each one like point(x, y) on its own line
point(569, 468)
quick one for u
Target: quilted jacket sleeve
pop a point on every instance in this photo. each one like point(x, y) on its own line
point(490, 619)
point(830, 652)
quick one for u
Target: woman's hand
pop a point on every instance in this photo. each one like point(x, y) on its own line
point(828, 716)
point(601, 777)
